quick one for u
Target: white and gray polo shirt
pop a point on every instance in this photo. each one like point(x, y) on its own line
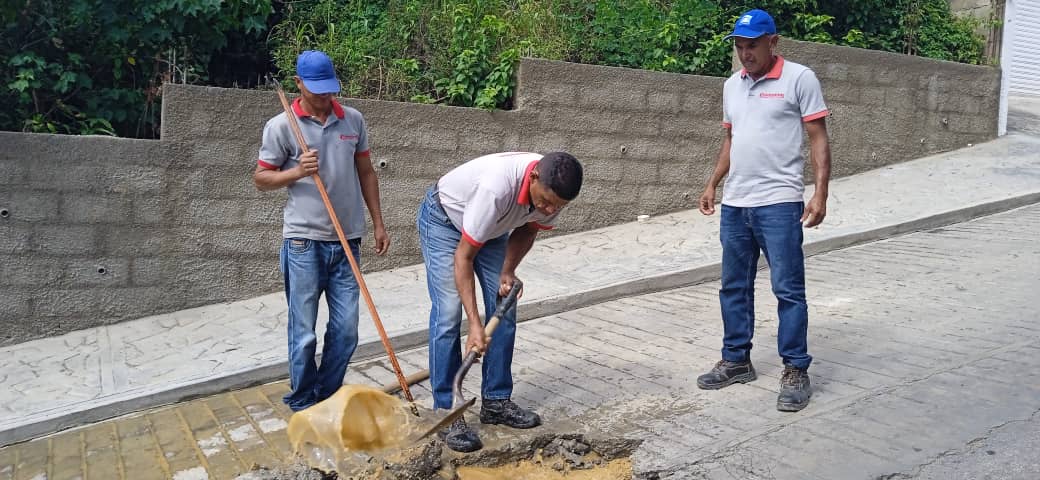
point(338, 141)
point(765, 117)
point(489, 196)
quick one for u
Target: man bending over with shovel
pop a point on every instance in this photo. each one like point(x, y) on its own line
point(481, 218)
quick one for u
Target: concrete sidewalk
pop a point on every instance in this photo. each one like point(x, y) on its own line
point(85, 376)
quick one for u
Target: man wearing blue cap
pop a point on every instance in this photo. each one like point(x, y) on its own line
point(312, 259)
point(766, 106)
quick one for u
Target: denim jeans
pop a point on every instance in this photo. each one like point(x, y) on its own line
point(311, 267)
point(438, 239)
point(776, 230)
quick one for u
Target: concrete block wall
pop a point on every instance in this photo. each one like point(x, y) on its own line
point(648, 140)
point(81, 223)
point(888, 108)
point(178, 223)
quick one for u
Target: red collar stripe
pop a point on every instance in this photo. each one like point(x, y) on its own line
point(300, 112)
point(525, 189)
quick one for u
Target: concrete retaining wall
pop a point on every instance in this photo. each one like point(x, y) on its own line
point(100, 230)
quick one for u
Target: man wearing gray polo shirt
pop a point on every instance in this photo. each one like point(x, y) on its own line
point(766, 106)
point(312, 259)
point(481, 219)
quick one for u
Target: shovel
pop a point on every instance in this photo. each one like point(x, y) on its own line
point(458, 403)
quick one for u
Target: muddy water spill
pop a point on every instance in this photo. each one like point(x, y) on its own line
point(531, 470)
point(363, 433)
point(564, 457)
point(358, 421)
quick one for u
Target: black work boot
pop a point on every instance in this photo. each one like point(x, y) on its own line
point(795, 390)
point(459, 437)
point(727, 373)
point(505, 412)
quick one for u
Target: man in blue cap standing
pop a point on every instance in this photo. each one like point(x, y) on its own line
point(766, 106)
point(312, 259)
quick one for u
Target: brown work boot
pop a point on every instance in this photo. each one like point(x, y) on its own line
point(727, 373)
point(795, 390)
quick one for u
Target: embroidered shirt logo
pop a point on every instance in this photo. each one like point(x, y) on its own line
point(771, 95)
point(348, 137)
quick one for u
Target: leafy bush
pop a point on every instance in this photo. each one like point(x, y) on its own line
point(95, 66)
point(455, 52)
point(930, 31)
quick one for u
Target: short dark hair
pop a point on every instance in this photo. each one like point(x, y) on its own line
point(562, 173)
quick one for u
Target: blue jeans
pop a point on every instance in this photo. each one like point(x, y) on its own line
point(776, 231)
point(438, 239)
point(311, 267)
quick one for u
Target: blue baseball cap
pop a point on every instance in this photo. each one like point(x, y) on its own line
point(315, 70)
point(753, 24)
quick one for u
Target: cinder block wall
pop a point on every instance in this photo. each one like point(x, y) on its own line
point(100, 230)
point(886, 107)
point(80, 220)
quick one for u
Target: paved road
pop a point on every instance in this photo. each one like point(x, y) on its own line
point(927, 365)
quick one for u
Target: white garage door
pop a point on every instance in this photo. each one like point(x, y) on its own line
point(1024, 67)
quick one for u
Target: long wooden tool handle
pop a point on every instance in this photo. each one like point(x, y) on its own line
point(349, 253)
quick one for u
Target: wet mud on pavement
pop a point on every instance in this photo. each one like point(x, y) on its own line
point(544, 456)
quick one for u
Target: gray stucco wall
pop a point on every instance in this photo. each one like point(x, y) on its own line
point(177, 223)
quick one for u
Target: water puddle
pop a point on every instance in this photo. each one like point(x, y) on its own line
point(529, 470)
point(542, 457)
point(561, 459)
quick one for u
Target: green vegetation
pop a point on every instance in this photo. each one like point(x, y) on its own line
point(94, 66)
point(463, 52)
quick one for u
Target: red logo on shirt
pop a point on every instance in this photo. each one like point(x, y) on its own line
point(771, 95)
point(348, 137)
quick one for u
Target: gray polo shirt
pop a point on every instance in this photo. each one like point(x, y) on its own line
point(765, 117)
point(338, 141)
point(489, 196)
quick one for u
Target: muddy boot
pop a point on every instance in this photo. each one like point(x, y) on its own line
point(795, 390)
point(727, 373)
point(505, 412)
point(459, 437)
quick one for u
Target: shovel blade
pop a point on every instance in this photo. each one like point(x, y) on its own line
point(452, 415)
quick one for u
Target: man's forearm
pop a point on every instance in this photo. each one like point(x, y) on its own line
point(721, 165)
point(466, 287)
point(370, 192)
point(821, 158)
point(520, 242)
point(266, 179)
